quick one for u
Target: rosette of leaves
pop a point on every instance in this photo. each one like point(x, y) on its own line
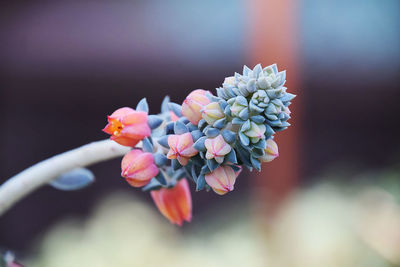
point(268, 78)
point(259, 91)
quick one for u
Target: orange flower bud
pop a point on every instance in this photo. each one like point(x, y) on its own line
point(127, 126)
point(222, 179)
point(181, 147)
point(174, 203)
point(192, 105)
point(138, 167)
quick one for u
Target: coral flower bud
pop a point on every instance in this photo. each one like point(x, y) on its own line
point(192, 105)
point(222, 179)
point(138, 167)
point(174, 203)
point(212, 112)
point(127, 126)
point(271, 151)
point(181, 147)
point(217, 148)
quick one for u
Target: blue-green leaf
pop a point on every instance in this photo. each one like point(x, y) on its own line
point(154, 121)
point(201, 181)
point(175, 108)
point(73, 180)
point(143, 106)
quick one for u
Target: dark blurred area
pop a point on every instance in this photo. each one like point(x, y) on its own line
point(65, 65)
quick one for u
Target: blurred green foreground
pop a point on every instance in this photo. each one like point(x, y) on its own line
point(325, 225)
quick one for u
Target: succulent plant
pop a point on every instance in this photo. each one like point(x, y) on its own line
point(209, 138)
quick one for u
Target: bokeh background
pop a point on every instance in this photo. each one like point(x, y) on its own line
point(330, 199)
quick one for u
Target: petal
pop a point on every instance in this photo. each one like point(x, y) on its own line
point(219, 159)
point(185, 141)
point(125, 141)
point(224, 150)
point(174, 203)
point(109, 128)
point(138, 131)
point(135, 117)
point(189, 152)
point(173, 141)
point(183, 160)
point(209, 155)
point(121, 112)
point(221, 147)
point(209, 144)
point(192, 113)
point(171, 154)
point(137, 183)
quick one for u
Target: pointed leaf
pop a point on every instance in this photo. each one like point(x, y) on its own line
point(196, 135)
point(194, 174)
point(256, 163)
point(257, 119)
point(163, 141)
point(220, 123)
point(153, 185)
point(244, 114)
point(201, 181)
point(212, 132)
point(237, 121)
point(161, 178)
point(212, 164)
point(175, 108)
point(175, 164)
point(164, 105)
point(154, 121)
point(204, 170)
point(244, 139)
point(228, 136)
point(180, 128)
point(160, 159)
point(143, 106)
point(231, 157)
point(199, 144)
point(146, 145)
point(241, 100)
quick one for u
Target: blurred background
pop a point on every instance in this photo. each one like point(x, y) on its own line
point(332, 198)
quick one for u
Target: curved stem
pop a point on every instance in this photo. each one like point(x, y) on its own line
point(43, 172)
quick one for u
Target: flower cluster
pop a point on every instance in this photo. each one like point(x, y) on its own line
point(207, 139)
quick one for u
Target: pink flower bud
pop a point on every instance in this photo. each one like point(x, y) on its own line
point(222, 179)
point(271, 151)
point(174, 203)
point(217, 148)
point(127, 126)
point(192, 105)
point(138, 167)
point(212, 112)
point(181, 147)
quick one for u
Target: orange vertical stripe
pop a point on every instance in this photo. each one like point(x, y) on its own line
point(273, 38)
